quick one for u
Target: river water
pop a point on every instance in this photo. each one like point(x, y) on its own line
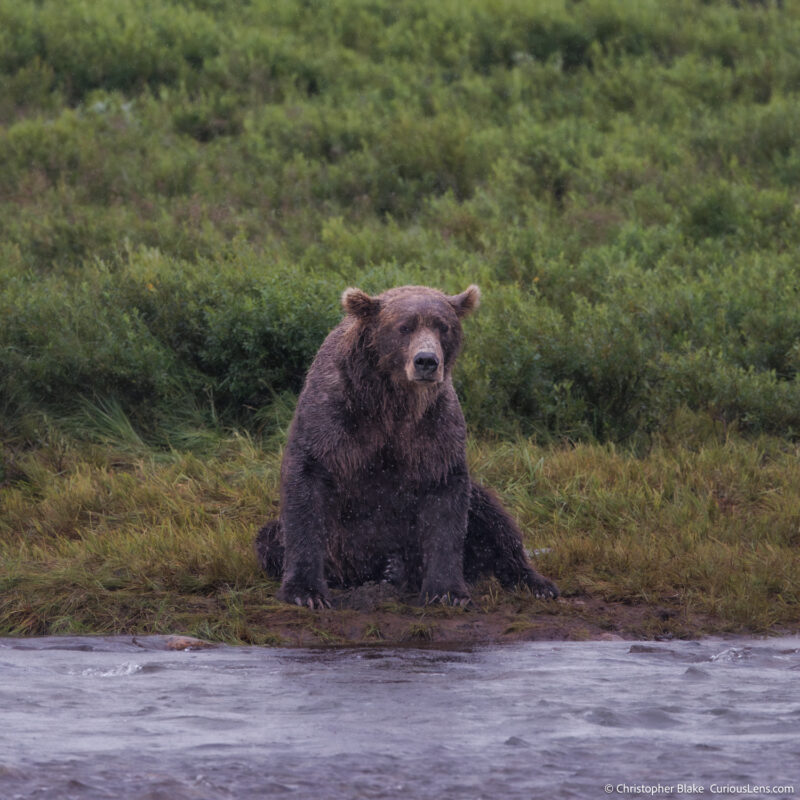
point(84, 718)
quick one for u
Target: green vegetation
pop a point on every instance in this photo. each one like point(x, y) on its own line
point(187, 187)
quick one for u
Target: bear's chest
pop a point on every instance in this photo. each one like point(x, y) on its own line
point(384, 485)
point(403, 455)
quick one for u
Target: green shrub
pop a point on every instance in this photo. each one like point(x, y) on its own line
point(61, 343)
point(185, 190)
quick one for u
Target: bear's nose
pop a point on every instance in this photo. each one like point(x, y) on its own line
point(425, 364)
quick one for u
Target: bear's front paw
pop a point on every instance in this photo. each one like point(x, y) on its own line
point(539, 586)
point(446, 596)
point(300, 593)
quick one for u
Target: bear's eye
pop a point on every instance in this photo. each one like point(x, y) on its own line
point(443, 327)
point(404, 329)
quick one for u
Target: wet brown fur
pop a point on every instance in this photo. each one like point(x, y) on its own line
point(374, 482)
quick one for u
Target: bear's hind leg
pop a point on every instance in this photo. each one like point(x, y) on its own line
point(269, 549)
point(494, 546)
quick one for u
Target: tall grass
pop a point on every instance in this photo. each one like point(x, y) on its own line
point(94, 539)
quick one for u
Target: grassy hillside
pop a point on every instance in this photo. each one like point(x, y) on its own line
point(186, 188)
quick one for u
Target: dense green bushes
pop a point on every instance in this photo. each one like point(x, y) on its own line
point(185, 190)
point(233, 333)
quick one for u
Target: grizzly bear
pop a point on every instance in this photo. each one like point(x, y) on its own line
point(374, 481)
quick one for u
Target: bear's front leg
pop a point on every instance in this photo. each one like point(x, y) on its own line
point(304, 509)
point(442, 528)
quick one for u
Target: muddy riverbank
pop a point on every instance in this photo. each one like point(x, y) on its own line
point(376, 614)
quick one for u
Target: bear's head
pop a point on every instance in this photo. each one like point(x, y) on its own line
point(414, 331)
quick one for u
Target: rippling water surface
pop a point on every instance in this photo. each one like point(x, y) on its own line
point(89, 718)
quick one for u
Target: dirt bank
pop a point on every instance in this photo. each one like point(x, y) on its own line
point(373, 614)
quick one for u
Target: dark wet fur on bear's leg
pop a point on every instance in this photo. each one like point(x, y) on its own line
point(269, 549)
point(494, 546)
point(442, 522)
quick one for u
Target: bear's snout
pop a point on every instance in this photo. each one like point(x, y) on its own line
point(425, 362)
point(425, 365)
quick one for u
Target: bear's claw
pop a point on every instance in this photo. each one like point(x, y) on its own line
point(541, 588)
point(447, 599)
point(304, 596)
point(313, 602)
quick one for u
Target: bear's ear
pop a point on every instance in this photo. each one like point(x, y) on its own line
point(466, 302)
point(359, 303)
